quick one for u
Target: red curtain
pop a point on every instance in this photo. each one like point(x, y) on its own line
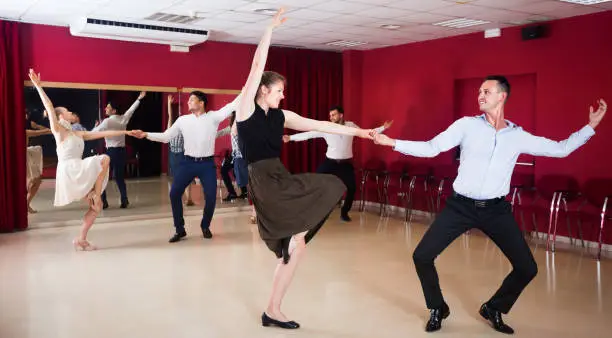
point(314, 84)
point(13, 209)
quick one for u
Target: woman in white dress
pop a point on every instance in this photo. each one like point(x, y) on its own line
point(34, 165)
point(76, 178)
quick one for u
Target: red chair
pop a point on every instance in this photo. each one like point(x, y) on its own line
point(443, 177)
point(554, 188)
point(373, 173)
point(132, 162)
point(598, 195)
point(522, 195)
point(420, 185)
point(395, 184)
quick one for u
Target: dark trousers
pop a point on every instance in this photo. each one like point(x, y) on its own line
point(117, 167)
point(497, 222)
point(187, 171)
point(345, 171)
point(175, 159)
point(241, 172)
point(226, 168)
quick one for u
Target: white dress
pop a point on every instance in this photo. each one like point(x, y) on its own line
point(75, 176)
point(34, 163)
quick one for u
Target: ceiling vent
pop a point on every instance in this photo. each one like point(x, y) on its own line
point(173, 18)
point(138, 32)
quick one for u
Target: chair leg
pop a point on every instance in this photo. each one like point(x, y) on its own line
point(522, 218)
point(554, 241)
point(379, 193)
point(550, 220)
point(579, 222)
point(406, 202)
point(364, 177)
point(429, 198)
point(410, 200)
point(535, 226)
point(601, 226)
point(440, 187)
point(568, 223)
point(600, 239)
point(569, 230)
point(386, 211)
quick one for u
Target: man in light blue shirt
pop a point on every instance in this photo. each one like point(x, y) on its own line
point(490, 146)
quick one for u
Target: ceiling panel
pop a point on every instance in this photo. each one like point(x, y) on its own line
point(420, 5)
point(385, 12)
point(542, 7)
point(503, 4)
point(354, 20)
point(14, 9)
point(289, 3)
point(427, 18)
point(310, 23)
point(309, 14)
point(467, 10)
point(219, 24)
point(342, 7)
point(129, 9)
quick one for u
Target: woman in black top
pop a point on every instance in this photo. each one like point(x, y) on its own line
point(290, 208)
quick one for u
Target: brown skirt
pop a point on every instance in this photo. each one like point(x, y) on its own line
point(289, 204)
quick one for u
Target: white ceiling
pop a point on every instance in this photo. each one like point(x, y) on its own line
point(311, 23)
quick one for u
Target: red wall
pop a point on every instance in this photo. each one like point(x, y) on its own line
point(60, 56)
point(414, 84)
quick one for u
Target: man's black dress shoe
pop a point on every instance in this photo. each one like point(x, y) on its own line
point(435, 320)
point(206, 232)
point(495, 318)
point(177, 236)
point(267, 321)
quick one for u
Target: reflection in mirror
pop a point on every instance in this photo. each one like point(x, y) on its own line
point(134, 159)
point(145, 163)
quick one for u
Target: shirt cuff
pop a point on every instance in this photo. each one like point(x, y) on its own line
point(398, 144)
point(587, 131)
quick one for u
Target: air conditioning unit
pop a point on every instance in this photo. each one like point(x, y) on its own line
point(130, 31)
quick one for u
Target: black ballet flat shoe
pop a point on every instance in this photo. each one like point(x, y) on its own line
point(495, 319)
point(267, 321)
point(436, 316)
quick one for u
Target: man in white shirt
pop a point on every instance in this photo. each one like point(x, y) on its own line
point(199, 130)
point(339, 156)
point(115, 146)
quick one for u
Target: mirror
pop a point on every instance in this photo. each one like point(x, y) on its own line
point(142, 157)
point(147, 174)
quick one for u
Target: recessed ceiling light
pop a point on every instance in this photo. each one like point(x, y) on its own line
point(391, 27)
point(586, 2)
point(461, 23)
point(344, 43)
point(267, 11)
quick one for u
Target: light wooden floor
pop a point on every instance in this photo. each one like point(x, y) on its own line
point(357, 280)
